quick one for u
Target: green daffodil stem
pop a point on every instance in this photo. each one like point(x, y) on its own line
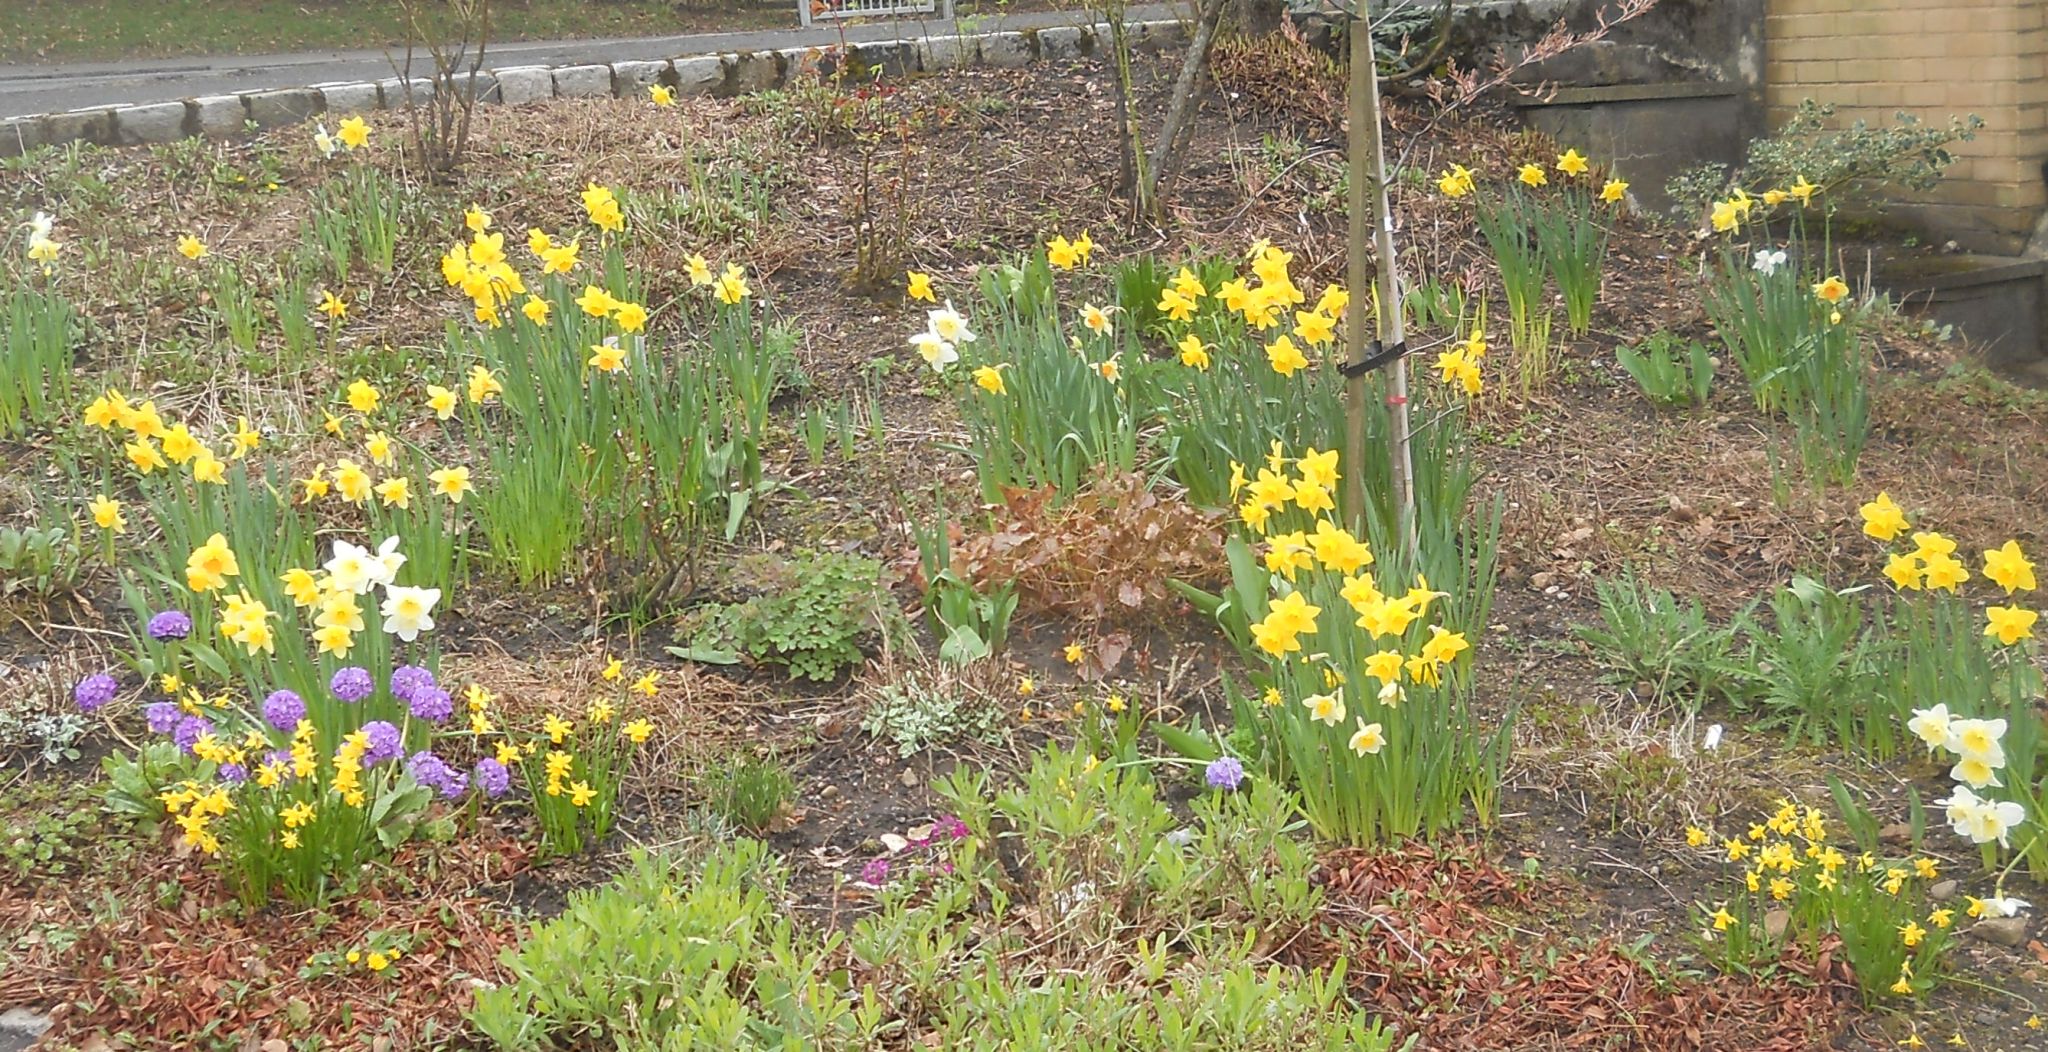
point(1372, 224)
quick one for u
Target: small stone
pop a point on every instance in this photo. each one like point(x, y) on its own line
point(630, 80)
point(2004, 931)
point(909, 777)
point(698, 74)
point(219, 116)
point(755, 71)
point(157, 122)
point(19, 135)
point(1944, 891)
point(944, 52)
point(1059, 43)
point(347, 97)
point(1775, 922)
point(397, 93)
point(1542, 579)
point(93, 126)
point(519, 85)
point(1896, 833)
point(1006, 50)
point(275, 109)
point(583, 82)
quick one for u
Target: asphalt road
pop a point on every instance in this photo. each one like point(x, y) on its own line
point(37, 88)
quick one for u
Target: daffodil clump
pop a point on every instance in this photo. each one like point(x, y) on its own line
point(37, 327)
point(1790, 324)
point(1061, 381)
point(586, 425)
point(1363, 698)
point(573, 765)
point(1798, 887)
point(1969, 679)
point(1542, 231)
point(292, 775)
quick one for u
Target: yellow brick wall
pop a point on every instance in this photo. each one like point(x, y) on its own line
point(1934, 59)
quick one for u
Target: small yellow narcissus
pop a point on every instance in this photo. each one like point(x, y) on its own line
point(919, 287)
point(2007, 567)
point(661, 94)
point(990, 378)
point(1614, 192)
point(191, 247)
point(1572, 163)
point(1533, 175)
point(333, 306)
point(354, 133)
point(452, 483)
point(106, 514)
point(607, 357)
point(1883, 519)
point(1193, 353)
point(1285, 358)
point(2009, 624)
point(1833, 290)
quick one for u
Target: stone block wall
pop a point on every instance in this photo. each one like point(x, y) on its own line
point(1934, 59)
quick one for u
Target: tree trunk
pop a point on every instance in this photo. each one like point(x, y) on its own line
point(1167, 151)
point(1368, 175)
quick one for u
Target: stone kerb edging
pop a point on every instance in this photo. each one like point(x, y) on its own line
point(225, 116)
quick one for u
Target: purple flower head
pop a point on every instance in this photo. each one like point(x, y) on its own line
point(281, 757)
point(1225, 773)
point(352, 683)
point(431, 704)
point(431, 771)
point(95, 690)
point(189, 730)
point(385, 743)
point(408, 682)
point(170, 626)
point(163, 716)
point(233, 773)
point(950, 826)
point(875, 873)
point(492, 777)
point(284, 710)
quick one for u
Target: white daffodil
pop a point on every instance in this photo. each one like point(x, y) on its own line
point(1978, 740)
point(389, 560)
point(948, 325)
point(2002, 906)
point(1932, 726)
point(352, 569)
point(1768, 261)
point(936, 351)
point(325, 143)
point(409, 611)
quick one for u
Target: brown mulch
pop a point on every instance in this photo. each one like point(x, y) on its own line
point(1433, 938)
point(185, 960)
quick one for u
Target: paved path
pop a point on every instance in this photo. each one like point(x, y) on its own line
point(26, 89)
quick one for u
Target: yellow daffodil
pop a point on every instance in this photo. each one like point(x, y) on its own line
point(1614, 192)
point(1532, 175)
point(106, 514)
point(2008, 568)
point(1572, 163)
point(661, 94)
point(354, 133)
point(2009, 624)
point(1285, 358)
point(191, 247)
point(1833, 290)
point(919, 287)
point(452, 483)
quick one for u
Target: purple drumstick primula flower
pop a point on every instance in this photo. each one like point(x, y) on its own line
point(492, 777)
point(409, 681)
point(163, 716)
point(233, 773)
point(95, 691)
point(284, 710)
point(189, 730)
point(170, 626)
point(431, 704)
point(352, 683)
point(385, 743)
point(1225, 773)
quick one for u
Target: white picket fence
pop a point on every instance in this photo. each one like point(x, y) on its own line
point(812, 11)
